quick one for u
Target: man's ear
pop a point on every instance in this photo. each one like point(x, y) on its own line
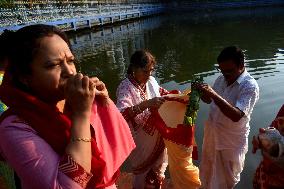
point(242, 66)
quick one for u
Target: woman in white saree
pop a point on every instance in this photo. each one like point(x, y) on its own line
point(136, 95)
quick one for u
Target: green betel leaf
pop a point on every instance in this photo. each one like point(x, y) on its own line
point(193, 105)
point(187, 120)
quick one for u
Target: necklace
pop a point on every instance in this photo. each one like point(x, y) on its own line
point(142, 90)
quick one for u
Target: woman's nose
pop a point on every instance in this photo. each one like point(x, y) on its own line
point(68, 70)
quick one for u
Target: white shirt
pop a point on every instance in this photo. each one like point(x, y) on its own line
point(146, 144)
point(243, 94)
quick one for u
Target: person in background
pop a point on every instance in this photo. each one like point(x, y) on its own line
point(136, 95)
point(270, 171)
point(226, 131)
point(45, 147)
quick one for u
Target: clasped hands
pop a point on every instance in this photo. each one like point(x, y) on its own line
point(81, 90)
point(207, 90)
point(155, 102)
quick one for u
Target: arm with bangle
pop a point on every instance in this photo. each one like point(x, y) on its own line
point(79, 147)
point(155, 103)
point(138, 109)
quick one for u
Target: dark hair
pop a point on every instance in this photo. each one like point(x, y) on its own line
point(3, 48)
point(232, 53)
point(140, 59)
point(22, 46)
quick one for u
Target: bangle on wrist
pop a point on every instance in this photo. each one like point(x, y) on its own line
point(78, 139)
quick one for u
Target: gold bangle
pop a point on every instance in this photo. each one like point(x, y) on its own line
point(81, 139)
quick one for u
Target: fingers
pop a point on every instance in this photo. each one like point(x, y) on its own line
point(79, 94)
point(161, 100)
point(86, 83)
point(101, 90)
point(81, 83)
point(92, 86)
point(78, 80)
point(100, 86)
point(156, 102)
point(95, 80)
point(85, 86)
point(207, 90)
point(203, 86)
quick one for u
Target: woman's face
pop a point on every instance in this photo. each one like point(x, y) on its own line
point(52, 65)
point(142, 75)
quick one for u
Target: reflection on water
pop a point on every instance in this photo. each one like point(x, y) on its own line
point(106, 53)
point(188, 43)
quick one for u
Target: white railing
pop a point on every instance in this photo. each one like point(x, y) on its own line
point(48, 13)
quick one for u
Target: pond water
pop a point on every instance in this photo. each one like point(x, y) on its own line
point(187, 44)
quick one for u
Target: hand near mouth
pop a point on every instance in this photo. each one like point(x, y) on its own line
point(80, 93)
point(100, 91)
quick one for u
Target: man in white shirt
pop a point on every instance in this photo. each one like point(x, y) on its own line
point(226, 131)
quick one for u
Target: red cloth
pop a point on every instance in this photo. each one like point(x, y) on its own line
point(268, 173)
point(279, 114)
point(182, 134)
point(112, 138)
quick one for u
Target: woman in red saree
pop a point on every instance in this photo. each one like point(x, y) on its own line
point(80, 148)
point(270, 172)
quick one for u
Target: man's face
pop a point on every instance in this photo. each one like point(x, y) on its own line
point(230, 71)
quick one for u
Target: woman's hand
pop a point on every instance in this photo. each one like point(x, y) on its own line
point(101, 90)
point(80, 94)
point(155, 102)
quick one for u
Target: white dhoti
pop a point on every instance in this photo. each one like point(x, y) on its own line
point(220, 169)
